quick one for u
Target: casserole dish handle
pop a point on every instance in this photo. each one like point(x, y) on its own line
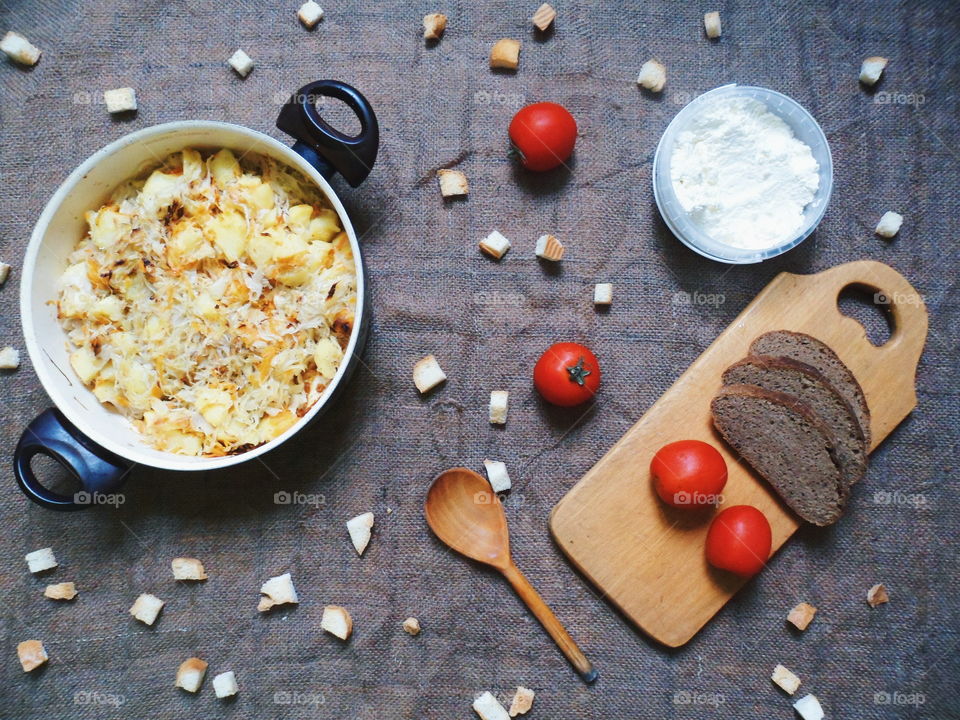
point(323, 146)
point(99, 471)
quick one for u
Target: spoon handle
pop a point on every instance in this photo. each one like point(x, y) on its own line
point(550, 622)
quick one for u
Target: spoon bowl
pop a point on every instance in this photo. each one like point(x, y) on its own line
point(466, 514)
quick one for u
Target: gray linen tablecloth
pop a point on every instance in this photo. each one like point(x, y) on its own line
point(379, 447)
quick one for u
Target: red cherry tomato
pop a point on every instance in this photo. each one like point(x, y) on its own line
point(739, 540)
point(567, 374)
point(688, 474)
point(544, 134)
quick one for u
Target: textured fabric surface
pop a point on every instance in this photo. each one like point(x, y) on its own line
point(487, 322)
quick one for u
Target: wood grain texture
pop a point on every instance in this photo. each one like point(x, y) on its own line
point(648, 559)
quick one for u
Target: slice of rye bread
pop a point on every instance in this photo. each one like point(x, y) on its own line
point(787, 444)
point(813, 352)
point(794, 378)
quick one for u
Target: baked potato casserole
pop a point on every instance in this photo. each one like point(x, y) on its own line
point(211, 301)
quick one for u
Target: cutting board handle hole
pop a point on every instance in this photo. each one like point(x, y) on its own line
point(871, 308)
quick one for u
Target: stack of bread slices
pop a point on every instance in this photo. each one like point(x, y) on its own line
point(798, 416)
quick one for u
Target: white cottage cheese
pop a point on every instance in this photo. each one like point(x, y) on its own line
point(742, 175)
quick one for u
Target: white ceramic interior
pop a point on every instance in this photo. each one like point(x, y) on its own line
point(804, 127)
point(60, 228)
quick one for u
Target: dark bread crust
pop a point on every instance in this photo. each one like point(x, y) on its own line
point(807, 384)
point(788, 445)
point(817, 354)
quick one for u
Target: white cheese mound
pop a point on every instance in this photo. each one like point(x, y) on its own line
point(742, 175)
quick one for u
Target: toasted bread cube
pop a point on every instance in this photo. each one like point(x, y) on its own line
point(310, 14)
point(61, 591)
point(225, 684)
point(498, 407)
point(505, 54)
point(187, 569)
point(877, 595)
point(241, 62)
point(785, 680)
point(433, 26)
point(497, 475)
point(279, 591)
point(190, 674)
point(889, 224)
point(411, 626)
point(146, 608)
point(543, 17)
point(549, 248)
point(452, 183)
point(337, 621)
point(495, 245)
point(40, 560)
point(32, 654)
point(9, 358)
point(711, 24)
point(802, 615)
point(871, 70)
point(120, 100)
point(808, 707)
point(4, 272)
point(522, 701)
point(603, 294)
point(489, 708)
point(360, 529)
point(653, 76)
point(427, 374)
point(19, 49)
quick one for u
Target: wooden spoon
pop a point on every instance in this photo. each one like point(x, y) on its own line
point(466, 514)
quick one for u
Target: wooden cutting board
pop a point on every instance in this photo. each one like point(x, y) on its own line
point(647, 558)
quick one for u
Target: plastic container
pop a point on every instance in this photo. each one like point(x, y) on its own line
point(804, 127)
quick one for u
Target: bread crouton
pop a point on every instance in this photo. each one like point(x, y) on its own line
point(889, 224)
point(427, 374)
point(785, 680)
point(489, 708)
point(498, 407)
point(495, 245)
point(40, 560)
point(433, 26)
point(32, 654)
point(497, 475)
point(522, 701)
point(653, 76)
point(505, 54)
point(360, 529)
point(146, 608)
point(16, 47)
point(310, 13)
point(278, 590)
point(61, 591)
point(120, 100)
point(549, 248)
point(871, 69)
point(544, 17)
point(187, 569)
point(453, 183)
point(225, 684)
point(337, 621)
point(802, 615)
point(877, 595)
point(190, 674)
point(711, 24)
point(241, 62)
